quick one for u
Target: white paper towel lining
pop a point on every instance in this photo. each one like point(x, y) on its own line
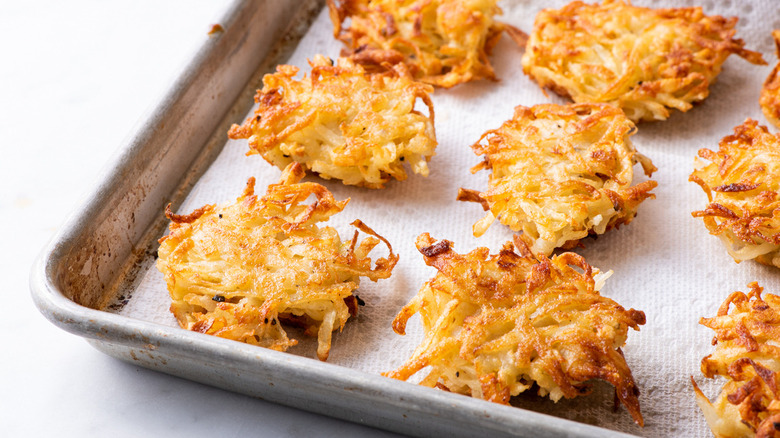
point(665, 262)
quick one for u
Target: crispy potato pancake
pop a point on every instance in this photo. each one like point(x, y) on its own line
point(642, 60)
point(242, 270)
point(342, 123)
point(770, 92)
point(496, 324)
point(444, 42)
point(747, 354)
point(560, 173)
point(742, 183)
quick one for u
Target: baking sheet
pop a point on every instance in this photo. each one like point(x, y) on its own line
point(665, 263)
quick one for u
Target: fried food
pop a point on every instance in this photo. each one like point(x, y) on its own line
point(342, 123)
point(496, 324)
point(560, 173)
point(642, 60)
point(242, 270)
point(742, 183)
point(444, 42)
point(747, 354)
point(770, 93)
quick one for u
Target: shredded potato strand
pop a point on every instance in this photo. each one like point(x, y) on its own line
point(645, 61)
point(496, 324)
point(242, 269)
point(747, 354)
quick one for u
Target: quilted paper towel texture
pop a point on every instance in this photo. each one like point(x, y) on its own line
point(665, 263)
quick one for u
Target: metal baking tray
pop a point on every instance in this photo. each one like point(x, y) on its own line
point(102, 248)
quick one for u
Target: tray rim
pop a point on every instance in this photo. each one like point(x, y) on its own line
point(122, 336)
point(99, 327)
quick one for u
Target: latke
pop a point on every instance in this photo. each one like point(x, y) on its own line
point(747, 355)
point(770, 92)
point(560, 173)
point(496, 324)
point(243, 270)
point(742, 183)
point(444, 42)
point(342, 123)
point(642, 60)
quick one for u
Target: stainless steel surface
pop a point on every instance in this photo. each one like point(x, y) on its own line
point(105, 244)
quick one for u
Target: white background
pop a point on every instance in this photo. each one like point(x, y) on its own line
point(76, 77)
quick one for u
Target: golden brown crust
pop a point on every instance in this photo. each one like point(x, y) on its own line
point(742, 182)
point(240, 270)
point(444, 42)
point(770, 92)
point(642, 60)
point(747, 354)
point(342, 123)
point(496, 324)
point(560, 173)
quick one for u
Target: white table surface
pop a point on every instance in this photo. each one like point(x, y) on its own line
point(76, 77)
